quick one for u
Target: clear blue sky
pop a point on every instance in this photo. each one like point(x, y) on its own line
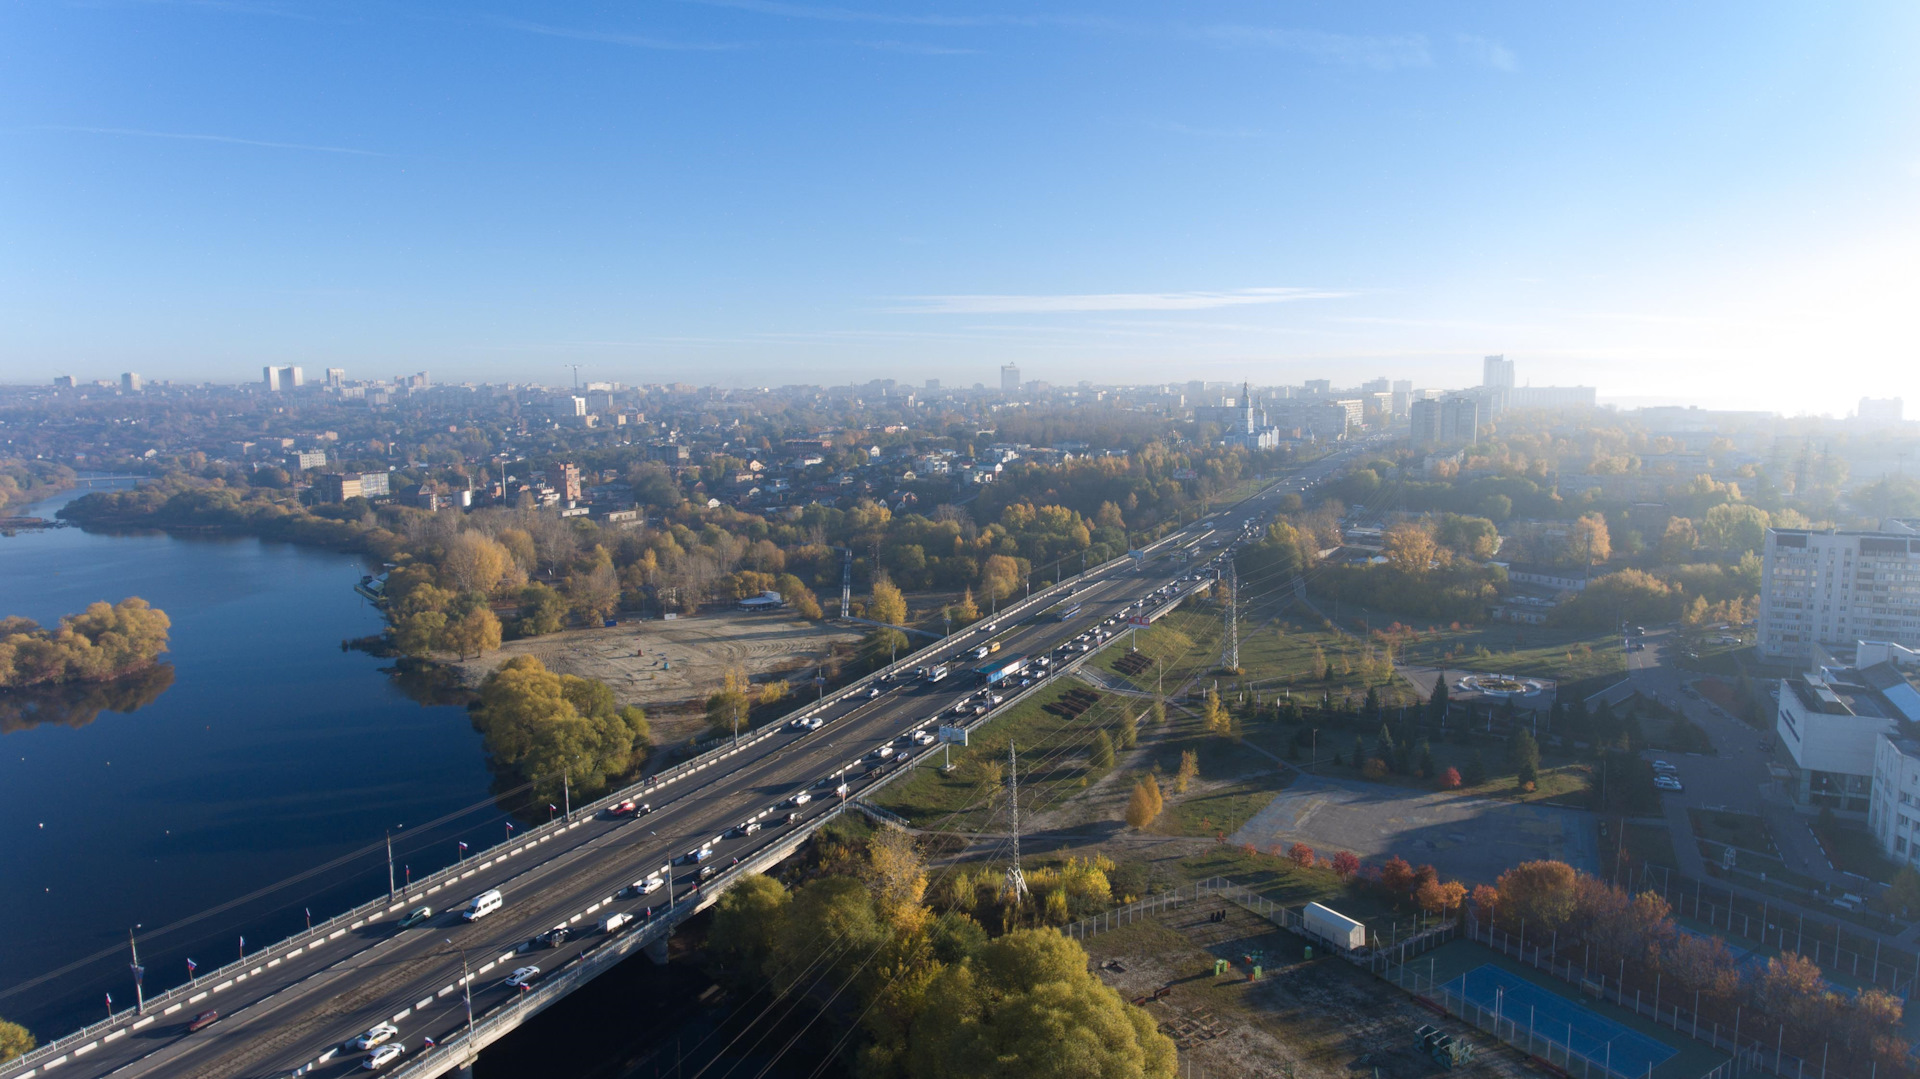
point(1709, 201)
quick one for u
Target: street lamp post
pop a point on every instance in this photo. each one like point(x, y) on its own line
point(139, 973)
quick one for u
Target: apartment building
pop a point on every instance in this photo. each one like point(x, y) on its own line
point(1833, 588)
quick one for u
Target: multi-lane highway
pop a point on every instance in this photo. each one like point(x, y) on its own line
point(297, 1010)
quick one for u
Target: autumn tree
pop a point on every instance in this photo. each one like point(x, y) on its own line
point(1129, 731)
point(896, 872)
point(1438, 897)
point(887, 604)
point(999, 576)
point(1027, 1005)
point(965, 612)
point(727, 706)
point(798, 596)
point(746, 922)
point(1678, 540)
point(593, 593)
point(1300, 855)
point(14, 1041)
point(1345, 864)
point(104, 642)
point(1587, 542)
point(542, 611)
point(1410, 547)
point(475, 562)
point(1145, 803)
point(1189, 771)
point(1101, 756)
point(548, 726)
point(473, 633)
point(1538, 893)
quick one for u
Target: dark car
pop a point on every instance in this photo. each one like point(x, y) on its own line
point(784, 819)
point(203, 1020)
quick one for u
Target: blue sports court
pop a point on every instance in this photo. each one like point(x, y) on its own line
point(1616, 1046)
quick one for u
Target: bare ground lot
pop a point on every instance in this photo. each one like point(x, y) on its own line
point(669, 667)
point(1306, 1019)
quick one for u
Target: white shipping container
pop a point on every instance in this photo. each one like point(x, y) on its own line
point(1329, 924)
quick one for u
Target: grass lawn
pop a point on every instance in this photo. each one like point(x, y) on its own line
point(1650, 843)
point(1053, 762)
point(1854, 850)
point(1747, 831)
point(1565, 655)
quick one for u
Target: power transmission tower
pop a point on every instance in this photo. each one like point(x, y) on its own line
point(1016, 880)
point(1230, 648)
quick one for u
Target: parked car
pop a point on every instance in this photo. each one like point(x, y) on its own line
point(1663, 767)
point(416, 916)
point(381, 1034)
point(1667, 783)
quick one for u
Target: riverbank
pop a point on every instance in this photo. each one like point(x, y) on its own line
point(257, 751)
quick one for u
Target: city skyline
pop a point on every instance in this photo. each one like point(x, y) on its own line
point(730, 192)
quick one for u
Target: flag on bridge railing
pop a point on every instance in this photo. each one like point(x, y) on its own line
point(427, 1042)
point(191, 967)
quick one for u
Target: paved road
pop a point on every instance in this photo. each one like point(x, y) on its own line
point(299, 1008)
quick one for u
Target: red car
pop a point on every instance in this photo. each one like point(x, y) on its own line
point(203, 1020)
point(624, 809)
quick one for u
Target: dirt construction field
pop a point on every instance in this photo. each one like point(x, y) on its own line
point(665, 665)
point(1306, 1019)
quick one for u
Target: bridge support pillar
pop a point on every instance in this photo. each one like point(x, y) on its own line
point(657, 951)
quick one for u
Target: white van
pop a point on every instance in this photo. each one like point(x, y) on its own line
point(482, 905)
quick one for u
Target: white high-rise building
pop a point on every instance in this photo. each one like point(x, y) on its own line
point(1497, 372)
point(1835, 588)
point(1010, 378)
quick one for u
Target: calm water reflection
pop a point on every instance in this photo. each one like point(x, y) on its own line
point(259, 750)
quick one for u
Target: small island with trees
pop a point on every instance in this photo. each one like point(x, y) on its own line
point(101, 644)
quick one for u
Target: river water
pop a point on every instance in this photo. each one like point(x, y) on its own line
point(259, 750)
point(271, 751)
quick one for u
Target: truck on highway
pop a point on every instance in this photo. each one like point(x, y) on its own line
point(936, 672)
point(613, 923)
point(993, 672)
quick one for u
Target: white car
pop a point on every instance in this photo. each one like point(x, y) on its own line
point(1667, 783)
point(383, 1056)
point(800, 799)
point(522, 977)
point(379, 1035)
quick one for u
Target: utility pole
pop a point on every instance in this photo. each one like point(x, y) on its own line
point(576, 373)
point(846, 582)
point(1230, 653)
point(389, 863)
point(139, 974)
point(566, 793)
point(1016, 880)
